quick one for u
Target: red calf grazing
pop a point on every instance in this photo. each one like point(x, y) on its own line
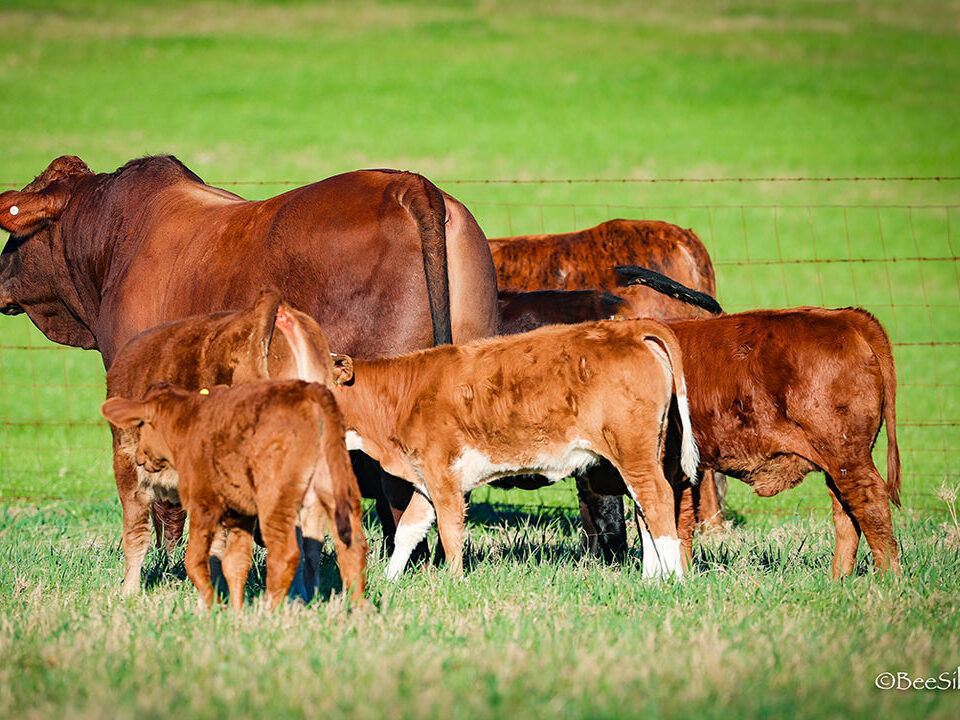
point(548, 402)
point(775, 394)
point(255, 451)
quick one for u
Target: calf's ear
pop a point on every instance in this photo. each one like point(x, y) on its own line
point(22, 212)
point(126, 413)
point(342, 369)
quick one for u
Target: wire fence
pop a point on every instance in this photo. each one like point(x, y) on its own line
point(897, 260)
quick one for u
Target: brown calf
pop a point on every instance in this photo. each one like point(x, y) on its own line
point(776, 394)
point(202, 351)
point(548, 402)
point(255, 451)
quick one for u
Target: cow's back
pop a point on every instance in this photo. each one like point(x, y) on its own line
point(585, 260)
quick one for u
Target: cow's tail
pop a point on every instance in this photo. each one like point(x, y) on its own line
point(689, 454)
point(333, 446)
point(429, 211)
point(635, 275)
point(876, 336)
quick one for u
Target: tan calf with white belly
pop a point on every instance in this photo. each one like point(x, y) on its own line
point(550, 402)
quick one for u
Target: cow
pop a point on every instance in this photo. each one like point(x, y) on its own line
point(775, 395)
point(223, 348)
point(552, 401)
point(383, 260)
point(585, 260)
point(258, 451)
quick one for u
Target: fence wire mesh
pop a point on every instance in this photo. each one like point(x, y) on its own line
point(899, 261)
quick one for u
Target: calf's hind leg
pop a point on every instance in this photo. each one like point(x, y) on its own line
point(654, 499)
point(864, 496)
point(237, 558)
point(203, 526)
point(848, 536)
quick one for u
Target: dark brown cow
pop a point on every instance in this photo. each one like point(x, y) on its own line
point(258, 451)
point(385, 261)
point(585, 260)
point(550, 402)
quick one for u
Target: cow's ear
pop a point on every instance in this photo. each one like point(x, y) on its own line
point(125, 413)
point(22, 212)
point(342, 369)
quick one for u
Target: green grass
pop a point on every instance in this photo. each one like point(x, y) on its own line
point(534, 630)
point(251, 93)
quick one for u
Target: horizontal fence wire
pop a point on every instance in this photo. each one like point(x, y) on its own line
point(897, 260)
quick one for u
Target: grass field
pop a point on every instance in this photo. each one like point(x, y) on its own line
point(256, 96)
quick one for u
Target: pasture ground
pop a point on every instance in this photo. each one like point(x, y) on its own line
point(534, 630)
point(254, 96)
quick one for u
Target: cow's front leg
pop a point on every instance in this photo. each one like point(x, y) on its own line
point(412, 528)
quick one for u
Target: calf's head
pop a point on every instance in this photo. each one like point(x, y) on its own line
point(149, 416)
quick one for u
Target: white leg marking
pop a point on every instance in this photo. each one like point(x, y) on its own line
point(661, 557)
point(406, 539)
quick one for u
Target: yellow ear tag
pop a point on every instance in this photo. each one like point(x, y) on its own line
point(204, 391)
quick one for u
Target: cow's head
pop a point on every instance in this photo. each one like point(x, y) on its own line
point(147, 416)
point(34, 274)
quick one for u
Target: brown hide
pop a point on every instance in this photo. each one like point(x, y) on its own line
point(451, 418)
point(584, 260)
point(775, 394)
point(96, 258)
point(525, 311)
point(259, 450)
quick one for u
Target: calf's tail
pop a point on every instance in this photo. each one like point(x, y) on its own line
point(334, 453)
point(689, 454)
point(876, 336)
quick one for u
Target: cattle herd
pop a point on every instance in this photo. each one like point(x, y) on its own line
point(269, 363)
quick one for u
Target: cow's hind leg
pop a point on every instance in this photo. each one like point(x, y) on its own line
point(237, 558)
point(411, 530)
point(278, 525)
point(848, 536)
point(863, 494)
point(654, 499)
point(203, 526)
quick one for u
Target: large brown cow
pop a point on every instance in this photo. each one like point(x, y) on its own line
point(385, 261)
point(551, 402)
point(585, 260)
